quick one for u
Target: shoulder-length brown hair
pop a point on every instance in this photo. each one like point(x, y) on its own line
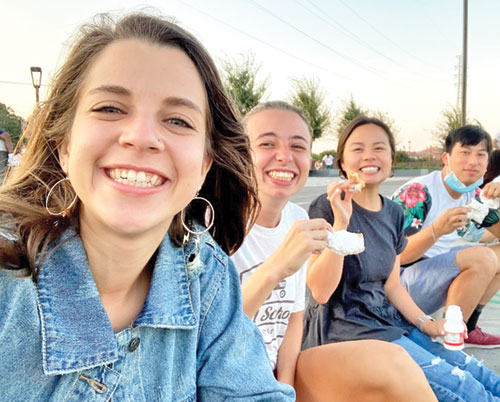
point(230, 184)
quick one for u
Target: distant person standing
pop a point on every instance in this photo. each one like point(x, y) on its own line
point(496, 141)
point(6, 148)
point(328, 161)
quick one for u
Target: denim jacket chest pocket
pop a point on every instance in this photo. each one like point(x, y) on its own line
point(144, 371)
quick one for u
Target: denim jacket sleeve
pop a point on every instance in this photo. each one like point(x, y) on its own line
point(20, 339)
point(232, 360)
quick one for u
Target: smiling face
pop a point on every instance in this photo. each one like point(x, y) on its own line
point(281, 147)
point(468, 162)
point(368, 152)
point(136, 152)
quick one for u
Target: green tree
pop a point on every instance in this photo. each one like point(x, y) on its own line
point(347, 112)
point(402, 156)
point(451, 118)
point(310, 99)
point(10, 122)
point(240, 82)
point(384, 116)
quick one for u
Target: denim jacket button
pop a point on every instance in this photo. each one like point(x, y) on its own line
point(134, 344)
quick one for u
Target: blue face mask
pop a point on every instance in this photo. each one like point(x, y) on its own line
point(456, 185)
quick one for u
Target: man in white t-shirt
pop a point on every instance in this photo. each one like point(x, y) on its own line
point(438, 272)
point(328, 161)
point(272, 267)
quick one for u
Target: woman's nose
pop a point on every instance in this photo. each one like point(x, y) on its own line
point(283, 154)
point(368, 154)
point(142, 134)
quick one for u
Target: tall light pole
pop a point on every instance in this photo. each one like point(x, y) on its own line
point(36, 79)
point(464, 66)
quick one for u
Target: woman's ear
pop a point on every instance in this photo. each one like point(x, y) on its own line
point(205, 168)
point(63, 156)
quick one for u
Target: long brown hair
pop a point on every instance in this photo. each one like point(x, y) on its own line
point(230, 184)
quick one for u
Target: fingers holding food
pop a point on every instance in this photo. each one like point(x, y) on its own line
point(356, 184)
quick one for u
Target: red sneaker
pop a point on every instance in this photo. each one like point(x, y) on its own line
point(479, 339)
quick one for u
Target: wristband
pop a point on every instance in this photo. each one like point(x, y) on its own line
point(421, 320)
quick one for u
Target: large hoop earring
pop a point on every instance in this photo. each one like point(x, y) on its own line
point(64, 212)
point(209, 226)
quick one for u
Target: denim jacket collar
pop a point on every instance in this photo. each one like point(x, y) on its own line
point(76, 332)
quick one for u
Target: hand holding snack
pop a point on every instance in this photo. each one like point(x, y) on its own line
point(341, 207)
point(450, 220)
point(491, 191)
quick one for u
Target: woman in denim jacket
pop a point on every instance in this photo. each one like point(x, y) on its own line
point(113, 288)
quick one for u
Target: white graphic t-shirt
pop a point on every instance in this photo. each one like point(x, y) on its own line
point(289, 295)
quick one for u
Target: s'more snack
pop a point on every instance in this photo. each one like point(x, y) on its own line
point(354, 180)
point(344, 243)
point(477, 211)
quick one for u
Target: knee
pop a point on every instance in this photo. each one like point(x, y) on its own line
point(401, 375)
point(396, 361)
point(485, 262)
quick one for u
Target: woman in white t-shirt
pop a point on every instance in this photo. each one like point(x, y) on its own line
point(271, 263)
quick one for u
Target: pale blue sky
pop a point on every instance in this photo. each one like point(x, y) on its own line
point(397, 56)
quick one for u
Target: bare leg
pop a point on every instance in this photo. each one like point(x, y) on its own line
point(494, 285)
point(361, 371)
point(478, 265)
point(492, 288)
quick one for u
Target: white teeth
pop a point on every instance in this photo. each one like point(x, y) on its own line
point(134, 178)
point(155, 180)
point(284, 176)
point(370, 169)
point(141, 176)
point(131, 175)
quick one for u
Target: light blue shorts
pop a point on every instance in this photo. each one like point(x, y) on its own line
point(427, 281)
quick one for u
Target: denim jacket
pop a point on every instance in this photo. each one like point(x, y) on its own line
point(191, 341)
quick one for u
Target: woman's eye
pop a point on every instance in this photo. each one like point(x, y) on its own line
point(107, 109)
point(179, 122)
point(299, 147)
point(266, 145)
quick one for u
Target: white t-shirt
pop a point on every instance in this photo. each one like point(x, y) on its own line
point(286, 298)
point(441, 201)
point(328, 160)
